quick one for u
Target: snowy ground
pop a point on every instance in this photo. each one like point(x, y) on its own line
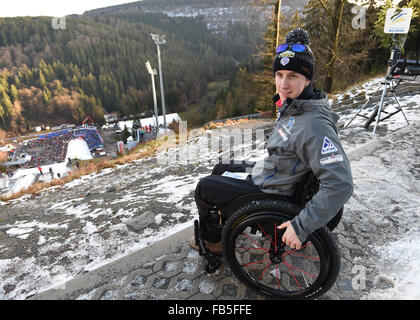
point(398, 254)
point(68, 230)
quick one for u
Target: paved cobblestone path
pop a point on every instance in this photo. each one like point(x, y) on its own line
point(47, 236)
point(372, 218)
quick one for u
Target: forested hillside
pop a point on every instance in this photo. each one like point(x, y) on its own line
point(344, 54)
point(211, 69)
point(97, 65)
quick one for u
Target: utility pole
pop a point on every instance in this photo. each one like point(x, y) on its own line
point(278, 28)
point(153, 72)
point(159, 40)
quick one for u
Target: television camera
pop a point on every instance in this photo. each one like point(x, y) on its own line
point(398, 69)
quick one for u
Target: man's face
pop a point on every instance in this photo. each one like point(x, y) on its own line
point(290, 84)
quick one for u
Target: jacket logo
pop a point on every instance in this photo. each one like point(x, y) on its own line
point(328, 146)
point(283, 135)
point(288, 127)
point(331, 159)
point(291, 123)
point(284, 61)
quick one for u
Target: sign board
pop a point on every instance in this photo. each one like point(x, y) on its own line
point(398, 20)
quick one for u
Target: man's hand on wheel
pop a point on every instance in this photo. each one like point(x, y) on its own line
point(290, 237)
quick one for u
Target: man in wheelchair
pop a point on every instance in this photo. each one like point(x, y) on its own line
point(304, 141)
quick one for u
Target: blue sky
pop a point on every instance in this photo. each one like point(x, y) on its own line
point(53, 8)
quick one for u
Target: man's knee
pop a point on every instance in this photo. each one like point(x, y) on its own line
point(200, 193)
point(218, 169)
point(203, 185)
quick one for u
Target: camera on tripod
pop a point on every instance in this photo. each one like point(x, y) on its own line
point(401, 67)
point(397, 22)
point(404, 67)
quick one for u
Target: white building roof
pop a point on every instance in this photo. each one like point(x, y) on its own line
point(150, 121)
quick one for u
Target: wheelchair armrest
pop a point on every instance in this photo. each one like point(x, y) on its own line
point(235, 204)
point(305, 190)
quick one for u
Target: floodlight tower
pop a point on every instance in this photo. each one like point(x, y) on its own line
point(278, 24)
point(153, 72)
point(159, 40)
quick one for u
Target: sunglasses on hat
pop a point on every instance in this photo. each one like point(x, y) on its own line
point(296, 47)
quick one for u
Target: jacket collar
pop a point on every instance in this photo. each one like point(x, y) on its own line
point(307, 93)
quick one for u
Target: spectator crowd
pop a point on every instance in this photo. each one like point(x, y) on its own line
point(52, 147)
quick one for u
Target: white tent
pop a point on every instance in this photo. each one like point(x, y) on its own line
point(78, 149)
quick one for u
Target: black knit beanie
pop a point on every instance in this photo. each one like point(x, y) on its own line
point(300, 62)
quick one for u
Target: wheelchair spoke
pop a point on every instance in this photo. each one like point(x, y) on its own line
point(293, 275)
point(256, 262)
point(292, 252)
point(253, 241)
point(304, 278)
point(265, 233)
point(249, 248)
point(288, 265)
point(303, 256)
point(264, 271)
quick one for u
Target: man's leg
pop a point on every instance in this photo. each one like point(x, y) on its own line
point(217, 191)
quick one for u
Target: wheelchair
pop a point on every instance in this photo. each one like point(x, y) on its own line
point(255, 253)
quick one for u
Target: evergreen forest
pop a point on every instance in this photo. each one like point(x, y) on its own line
point(96, 64)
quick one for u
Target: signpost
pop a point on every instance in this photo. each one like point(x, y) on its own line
point(398, 20)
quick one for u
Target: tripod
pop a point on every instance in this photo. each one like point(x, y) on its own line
point(387, 82)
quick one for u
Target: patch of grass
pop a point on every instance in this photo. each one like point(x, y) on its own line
point(228, 123)
point(218, 85)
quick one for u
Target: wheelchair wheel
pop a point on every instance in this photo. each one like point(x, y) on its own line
point(256, 255)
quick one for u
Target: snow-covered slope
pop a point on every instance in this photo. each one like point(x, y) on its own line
point(65, 231)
